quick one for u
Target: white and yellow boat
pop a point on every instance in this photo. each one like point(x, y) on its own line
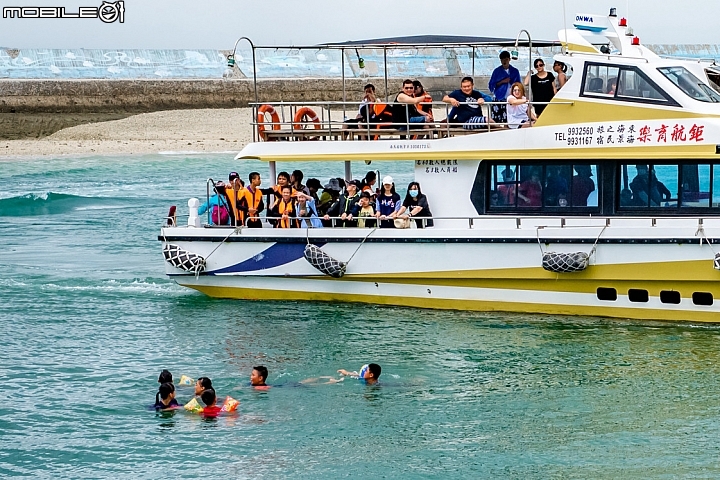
point(626, 224)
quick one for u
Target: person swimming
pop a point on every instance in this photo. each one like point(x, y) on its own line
point(202, 384)
point(258, 376)
point(165, 377)
point(369, 373)
point(165, 397)
point(209, 398)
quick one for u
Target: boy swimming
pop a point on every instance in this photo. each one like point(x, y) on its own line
point(209, 398)
point(258, 376)
point(369, 373)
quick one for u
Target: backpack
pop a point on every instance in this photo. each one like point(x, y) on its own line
point(220, 215)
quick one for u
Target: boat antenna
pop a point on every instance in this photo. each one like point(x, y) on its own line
point(565, 48)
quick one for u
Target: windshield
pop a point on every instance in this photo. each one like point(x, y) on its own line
point(690, 84)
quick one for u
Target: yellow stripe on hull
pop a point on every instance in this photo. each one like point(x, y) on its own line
point(450, 304)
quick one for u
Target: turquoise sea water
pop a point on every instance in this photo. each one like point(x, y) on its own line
point(88, 320)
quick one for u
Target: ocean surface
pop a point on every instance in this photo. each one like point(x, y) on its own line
point(88, 321)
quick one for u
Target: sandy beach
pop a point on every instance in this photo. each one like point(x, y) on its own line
point(201, 130)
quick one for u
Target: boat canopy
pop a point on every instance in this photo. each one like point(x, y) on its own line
point(439, 41)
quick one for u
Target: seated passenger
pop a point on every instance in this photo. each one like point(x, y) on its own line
point(218, 206)
point(466, 105)
point(388, 203)
point(530, 191)
point(506, 190)
point(343, 208)
point(647, 190)
point(582, 185)
point(556, 186)
point(362, 116)
point(426, 105)
point(307, 211)
point(285, 210)
point(518, 114)
point(405, 110)
point(416, 205)
point(364, 213)
point(367, 184)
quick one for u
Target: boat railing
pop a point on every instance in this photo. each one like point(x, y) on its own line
point(481, 222)
point(299, 121)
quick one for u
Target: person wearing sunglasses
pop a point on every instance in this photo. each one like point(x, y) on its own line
point(542, 85)
point(405, 107)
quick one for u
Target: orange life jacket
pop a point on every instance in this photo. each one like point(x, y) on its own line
point(253, 200)
point(285, 209)
point(234, 199)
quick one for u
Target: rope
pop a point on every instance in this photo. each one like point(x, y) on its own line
point(716, 256)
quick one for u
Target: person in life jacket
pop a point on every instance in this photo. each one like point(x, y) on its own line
point(426, 106)
point(237, 199)
point(254, 201)
point(344, 206)
point(405, 107)
point(285, 209)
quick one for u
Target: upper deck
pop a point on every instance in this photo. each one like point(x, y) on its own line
point(622, 101)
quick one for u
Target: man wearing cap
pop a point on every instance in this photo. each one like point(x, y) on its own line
point(388, 203)
point(499, 84)
point(344, 206)
point(238, 202)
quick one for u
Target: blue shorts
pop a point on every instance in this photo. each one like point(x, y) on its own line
point(420, 119)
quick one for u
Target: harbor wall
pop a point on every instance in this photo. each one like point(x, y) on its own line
point(140, 95)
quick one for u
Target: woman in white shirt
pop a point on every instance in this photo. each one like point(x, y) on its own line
point(518, 114)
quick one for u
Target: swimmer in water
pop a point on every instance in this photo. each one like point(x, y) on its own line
point(258, 376)
point(369, 373)
point(165, 397)
point(165, 377)
point(202, 384)
point(209, 398)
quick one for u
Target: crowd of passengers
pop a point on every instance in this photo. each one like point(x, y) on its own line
point(355, 203)
point(412, 106)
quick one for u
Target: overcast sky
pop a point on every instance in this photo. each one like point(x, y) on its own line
point(216, 24)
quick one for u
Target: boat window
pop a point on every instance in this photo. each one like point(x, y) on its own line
point(695, 185)
point(670, 296)
point(539, 187)
point(607, 294)
point(646, 185)
point(601, 79)
point(713, 76)
point(622, 83)
point(702, 298)
point(686, 185)
point(638, 295)
point(692, 86)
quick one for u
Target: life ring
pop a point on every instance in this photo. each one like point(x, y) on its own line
point(303, 117)
point(275, 118)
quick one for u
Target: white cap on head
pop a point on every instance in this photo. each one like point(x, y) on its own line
point(388, 180)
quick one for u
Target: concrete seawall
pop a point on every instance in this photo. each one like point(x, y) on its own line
point(138, 96)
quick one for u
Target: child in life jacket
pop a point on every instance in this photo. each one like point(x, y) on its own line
point(165, 397)
point(209, 398)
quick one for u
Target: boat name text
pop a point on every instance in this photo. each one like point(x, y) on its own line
point(620, 134)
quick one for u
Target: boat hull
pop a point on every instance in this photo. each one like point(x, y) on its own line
point(480, 272)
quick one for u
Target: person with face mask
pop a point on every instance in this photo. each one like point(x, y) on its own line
point(416, 205)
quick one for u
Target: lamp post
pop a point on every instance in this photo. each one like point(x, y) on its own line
point(231, 64)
